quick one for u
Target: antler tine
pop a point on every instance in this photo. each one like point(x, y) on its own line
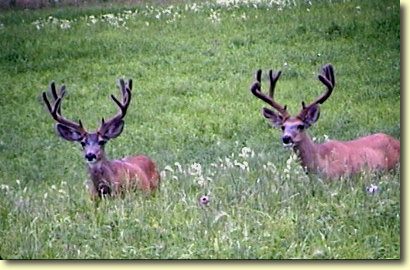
point(130, 84)
point(121, 85)
point(256, 91)
point(328, 79)
point(273, 78)
point(123, 104)
point(329, 73)
point(125, 91)
point(54, 93)
point(55, 109)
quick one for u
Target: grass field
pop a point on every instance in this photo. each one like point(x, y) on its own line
point(192, 112)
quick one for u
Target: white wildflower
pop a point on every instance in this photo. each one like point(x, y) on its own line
point(179, 166)
point(270, 167)
point(108, 16)
point(195, 169)
point(221, 214)
point(162, 174)
point(228, 163)
point(246, 151)
point(200, 180)
point(214, 16)
point(244, 166)
point(168, 168)
point(93, 19)
point(65, 24)
point(5, 187)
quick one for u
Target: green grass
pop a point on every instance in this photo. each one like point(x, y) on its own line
point(192, 112)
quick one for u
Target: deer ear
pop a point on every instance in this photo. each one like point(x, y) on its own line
point(312, 115)
point(276, 119)
point(68, 133)
point(113, 130)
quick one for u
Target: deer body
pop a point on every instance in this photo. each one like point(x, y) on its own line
point(336, 158)
point(108, 177)
point(333, 158)
point(138, 172)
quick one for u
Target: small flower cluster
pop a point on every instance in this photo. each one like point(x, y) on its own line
point(60, 23)
point(215, 16)
point(256, 3)
point(169, 14)
point(292, 166)
point(203, 177)
point(6, 188)
point(270, 167)
point(194, 170)
point(236, 162)
point(60, 192)
point(119, 20)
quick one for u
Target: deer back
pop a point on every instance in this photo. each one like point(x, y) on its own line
point(136, 172)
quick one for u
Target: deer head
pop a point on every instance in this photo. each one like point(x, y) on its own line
point(92, 143)
point(293, 127)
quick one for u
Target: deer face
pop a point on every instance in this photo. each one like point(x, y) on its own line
point(93, 146)
point(293, 131)
point(293, 128)
point(92, 143)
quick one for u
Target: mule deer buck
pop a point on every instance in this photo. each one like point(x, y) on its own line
point(332, 158)
point(108, 177)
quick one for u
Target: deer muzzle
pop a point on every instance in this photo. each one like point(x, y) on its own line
point(90, 157)
point(287, 140)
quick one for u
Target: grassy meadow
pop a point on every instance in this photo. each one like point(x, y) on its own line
point(192, 112)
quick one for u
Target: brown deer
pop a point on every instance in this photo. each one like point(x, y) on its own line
point(113, 177)
point(332, 158)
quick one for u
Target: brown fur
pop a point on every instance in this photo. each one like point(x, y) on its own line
point(130, 173)
point(344, 158)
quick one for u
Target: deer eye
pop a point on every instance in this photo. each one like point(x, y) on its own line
point(101, 142)
point(82, 143)
point(301, 127)
point(283, 128)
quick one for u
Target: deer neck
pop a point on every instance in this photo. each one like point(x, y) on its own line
point(100, 172)
point(307, 150)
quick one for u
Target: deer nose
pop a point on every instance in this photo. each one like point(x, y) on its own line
point(286, 139)
point(90, 157)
